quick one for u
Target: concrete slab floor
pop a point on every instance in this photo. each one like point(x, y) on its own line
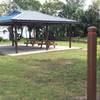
point(25, 50)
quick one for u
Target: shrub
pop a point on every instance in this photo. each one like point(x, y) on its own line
point(1, 39)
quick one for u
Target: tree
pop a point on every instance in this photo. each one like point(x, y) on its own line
point(91, 16)
point(13, 6)
point(52, 7)
point(71, 9)
point(28, 4)
point(4, 8)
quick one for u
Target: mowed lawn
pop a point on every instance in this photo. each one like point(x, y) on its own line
point(45, 76)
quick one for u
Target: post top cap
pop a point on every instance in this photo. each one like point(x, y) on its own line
point(92, 29)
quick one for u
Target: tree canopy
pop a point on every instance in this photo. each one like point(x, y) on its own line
point(52, 7)
point(28, 4)
point(72, 9)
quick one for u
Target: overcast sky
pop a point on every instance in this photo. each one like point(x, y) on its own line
point(88, 2)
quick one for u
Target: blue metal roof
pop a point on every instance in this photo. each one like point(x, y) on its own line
point(34, 16)
point(8, 18)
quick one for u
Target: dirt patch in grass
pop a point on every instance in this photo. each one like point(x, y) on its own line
point(65, 62)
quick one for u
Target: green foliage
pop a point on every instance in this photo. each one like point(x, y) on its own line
point(72, 8)
point(28, 4)
point(3, 8)
point(1, 39)
point(78, 3)
point(52, 7)
point(91, 16)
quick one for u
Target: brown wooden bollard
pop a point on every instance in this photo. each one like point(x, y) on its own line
point(91, 81)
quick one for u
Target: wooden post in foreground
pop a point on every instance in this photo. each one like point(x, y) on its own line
point(91, 81)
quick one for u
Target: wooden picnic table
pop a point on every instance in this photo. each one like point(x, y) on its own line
point(40, 43)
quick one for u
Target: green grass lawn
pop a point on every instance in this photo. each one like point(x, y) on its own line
point(46, 76)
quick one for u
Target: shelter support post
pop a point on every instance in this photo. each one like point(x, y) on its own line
point(21, 30)
point(30, 30)
point(16, 42)
point(70, 42)
point(47, 35)
point(12, 35)
point(91, 80)
point(29, 34)
point(70, 38)
point(66, 30)
point(36, 32)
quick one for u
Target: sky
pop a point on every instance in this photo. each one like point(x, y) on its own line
point(87, 3)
